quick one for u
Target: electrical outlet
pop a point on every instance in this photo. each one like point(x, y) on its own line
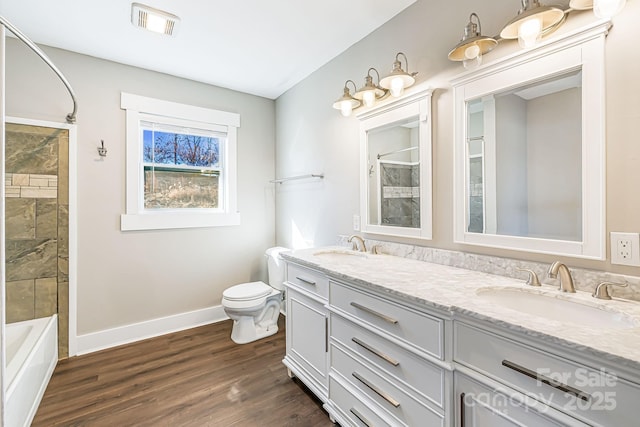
point(356, 223)
point(625, 249)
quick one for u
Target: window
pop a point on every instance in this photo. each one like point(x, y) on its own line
point(181, 165)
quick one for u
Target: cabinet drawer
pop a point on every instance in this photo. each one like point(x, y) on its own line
point(588, 394)
point(392, 398)
point(310, 280)
point(424, 377)
point(417, 329)
point(359, 413)
point(482, 406)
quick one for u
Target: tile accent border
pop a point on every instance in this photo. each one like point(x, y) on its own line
point(31, 186)
point(584, 279)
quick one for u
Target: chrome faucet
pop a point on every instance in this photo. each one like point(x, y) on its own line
point(566, 281)
point(357, 242)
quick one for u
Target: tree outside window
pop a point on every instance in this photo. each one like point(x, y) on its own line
point(181, 168)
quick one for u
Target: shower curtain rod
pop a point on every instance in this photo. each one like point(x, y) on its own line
point(71, 117)
point(397, 151)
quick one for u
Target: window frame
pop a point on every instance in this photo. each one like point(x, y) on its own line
point(143, 109)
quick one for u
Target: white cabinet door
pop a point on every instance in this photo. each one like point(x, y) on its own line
point(307, 341)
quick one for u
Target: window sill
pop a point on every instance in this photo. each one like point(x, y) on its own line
point(173, 220)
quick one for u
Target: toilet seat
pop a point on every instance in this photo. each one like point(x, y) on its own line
point(247, 295)
point(247, 291)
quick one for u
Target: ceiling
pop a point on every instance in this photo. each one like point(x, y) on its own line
point(261, 47)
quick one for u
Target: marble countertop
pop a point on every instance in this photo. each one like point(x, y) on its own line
point(459, 291)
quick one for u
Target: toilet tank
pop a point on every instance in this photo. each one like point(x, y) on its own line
point(275, 265)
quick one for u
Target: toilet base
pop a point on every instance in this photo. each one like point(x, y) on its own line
point(246, 329)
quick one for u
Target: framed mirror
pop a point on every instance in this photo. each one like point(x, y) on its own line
point(529, 150)
point(395, 156)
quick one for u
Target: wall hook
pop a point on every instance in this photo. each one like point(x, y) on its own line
point(101, 150)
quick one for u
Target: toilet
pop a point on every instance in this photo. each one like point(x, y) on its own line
point(254, 307)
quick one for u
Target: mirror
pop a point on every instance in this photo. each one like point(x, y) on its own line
point(524, 160)
point(529, 171)
point(394, 174)
point(396, 168)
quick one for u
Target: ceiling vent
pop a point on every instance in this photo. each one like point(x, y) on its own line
point(158, 21)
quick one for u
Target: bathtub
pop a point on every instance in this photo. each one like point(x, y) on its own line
point(31, 355)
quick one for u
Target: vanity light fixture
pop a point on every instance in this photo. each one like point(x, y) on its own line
point(346, 103)
point(395, 83)
point(473, 44)
point(156, 20)
point(534, 20)
point(398, 79)
point(370, 93)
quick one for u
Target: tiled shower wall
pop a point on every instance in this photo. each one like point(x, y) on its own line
point(37, 226)
point(400, 204)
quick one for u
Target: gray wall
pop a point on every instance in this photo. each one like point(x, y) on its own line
point(128, 277)
point(555, 184)
point(312, 136)
point(512, 209)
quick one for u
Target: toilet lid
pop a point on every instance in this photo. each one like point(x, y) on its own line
point(247, 291)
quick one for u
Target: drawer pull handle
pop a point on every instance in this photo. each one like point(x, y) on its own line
point(376, 390)
point(375, 351)
point(462, 410)
point(375, 313)
point(361, 417)
point(546, 380)
point(308, 282)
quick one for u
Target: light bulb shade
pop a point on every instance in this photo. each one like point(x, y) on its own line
point(369, 93)
point(473, 43)
point(346, 103)
point(472, 51)
point(581, 4)
point(472, 63)
point(376, 91)
point(550, 17)
point(346, 107)
point(484, 44)
point(607, 9)
point(369, 97)
point(529, 32)
point(398, 79)
point(397, 86)
point(397, 82)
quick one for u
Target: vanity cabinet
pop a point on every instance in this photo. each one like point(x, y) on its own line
point(377, 359)
point(505, 380)
point(307, 327)
point(389, 358)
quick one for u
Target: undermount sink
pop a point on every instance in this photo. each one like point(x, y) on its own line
point(557, 308)
point(340, 254)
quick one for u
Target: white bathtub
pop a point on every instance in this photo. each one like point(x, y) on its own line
point(31, 354)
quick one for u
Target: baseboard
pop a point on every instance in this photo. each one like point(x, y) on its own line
point(126, 334)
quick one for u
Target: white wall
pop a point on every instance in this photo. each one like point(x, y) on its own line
point(311, 135)
point(129, 277)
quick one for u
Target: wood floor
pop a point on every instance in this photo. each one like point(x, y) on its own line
point(197, 377)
